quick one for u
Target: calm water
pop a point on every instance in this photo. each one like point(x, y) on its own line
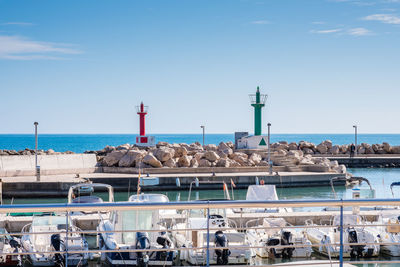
point(380, 180)
point(82, 142)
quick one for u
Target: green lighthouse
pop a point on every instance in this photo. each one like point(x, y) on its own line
point(258, 102)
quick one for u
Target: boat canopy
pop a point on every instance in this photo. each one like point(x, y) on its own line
point(261, 192)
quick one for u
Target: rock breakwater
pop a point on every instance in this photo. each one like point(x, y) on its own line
point(194, 155)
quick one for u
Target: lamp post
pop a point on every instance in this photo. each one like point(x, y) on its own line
point(37, 168)
point(269, 148)
point(203, 127)
point(355, 139)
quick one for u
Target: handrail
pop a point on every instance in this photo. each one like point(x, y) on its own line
point(195, 205)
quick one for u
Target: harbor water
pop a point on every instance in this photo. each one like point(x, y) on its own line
point(380, 180)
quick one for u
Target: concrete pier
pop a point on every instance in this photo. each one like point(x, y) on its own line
point(366, 161)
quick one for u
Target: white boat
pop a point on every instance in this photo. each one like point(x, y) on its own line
point(44, 248)
point(328, 238)
point(197, 239)
point(89, 193)
point(259, 239)
point(9, 244)
point(387, 234)
point(262, 193)
point(125, 223)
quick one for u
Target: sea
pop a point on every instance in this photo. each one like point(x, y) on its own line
point(83, 142)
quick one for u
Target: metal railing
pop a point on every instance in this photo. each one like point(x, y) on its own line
point(204, 205)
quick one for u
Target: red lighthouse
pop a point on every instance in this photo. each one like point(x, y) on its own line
point(142, 139)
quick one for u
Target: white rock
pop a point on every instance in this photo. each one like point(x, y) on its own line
point(211, 156)
point(113, 158)
point(204, 163)
point(130, 158)
point(152, 161)
point(184, 161)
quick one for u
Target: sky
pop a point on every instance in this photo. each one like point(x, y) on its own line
point(83, 66)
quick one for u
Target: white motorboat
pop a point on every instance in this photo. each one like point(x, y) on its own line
point(125, 224)
point(328, 238)
point(44, 248)
point(90, 193)
point(260, 239)
point(238, 251)
point(9, 244)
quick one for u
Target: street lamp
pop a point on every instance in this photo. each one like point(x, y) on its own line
point(37, 168)
point(203, 127)
point(269, 148)
point(355, 139)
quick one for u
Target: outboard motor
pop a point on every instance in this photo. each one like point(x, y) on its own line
point(222, 254)
point(56, 243)
point(165, 242)
point(273, 241)
point(356, 250)
point(16, 246)
point(142, 242)
point(287, 253)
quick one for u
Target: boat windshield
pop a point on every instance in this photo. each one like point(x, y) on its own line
point(148, 198)
point(134, 220)
point(261, 192)
point(49, 220)
point(348, 219)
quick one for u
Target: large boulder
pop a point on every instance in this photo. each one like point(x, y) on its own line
point(223, 163)
point(194, 163)
point(322, 148)
point(293, 146)
point(171, 163)
point(369, 150)
point(335, 150)
point(211, 156)
point(210, 147)
point(152, 161)
point(124, 147)
point(395, 150)
point(130, 158)
point(222, 154)
point(199, 155)
point(328, 143)
point(184, 161)
point(180, 151)
point(240, 158)
point(161, 144)
point(308, 151)
point(164, 153)
point(386, 147)
point(204, 163)
point(255, 158)
point(113, 158)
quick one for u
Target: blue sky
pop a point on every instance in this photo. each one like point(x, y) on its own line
point(83, 66)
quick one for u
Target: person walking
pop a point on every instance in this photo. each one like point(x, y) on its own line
point(352, 150)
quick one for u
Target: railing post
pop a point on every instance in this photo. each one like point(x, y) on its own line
point(66, 241)
point(208, 236)
point(341, 236)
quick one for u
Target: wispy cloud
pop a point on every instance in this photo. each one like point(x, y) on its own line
point(18, 23)
point(326, 31)
point(385, 18)
point(260, 22)
point(359, 32)
point(19, 48)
